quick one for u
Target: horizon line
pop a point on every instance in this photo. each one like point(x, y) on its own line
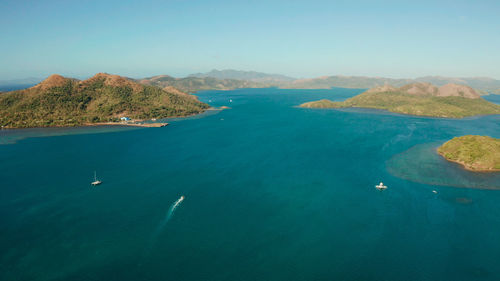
point(41, 78)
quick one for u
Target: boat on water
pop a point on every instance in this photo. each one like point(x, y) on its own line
point(176, 203)
point(96, 181)
point(381, 186)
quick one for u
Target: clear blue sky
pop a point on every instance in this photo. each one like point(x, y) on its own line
point(297, 38)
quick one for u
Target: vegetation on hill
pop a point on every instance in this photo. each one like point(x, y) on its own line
point(59, 101)
point(194, 84)
point(476, 153)
point(450, 101)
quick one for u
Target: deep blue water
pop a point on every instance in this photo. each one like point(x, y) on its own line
point(14, 87)
point(272, 192)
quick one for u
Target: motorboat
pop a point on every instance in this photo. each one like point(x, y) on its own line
point(381, 186)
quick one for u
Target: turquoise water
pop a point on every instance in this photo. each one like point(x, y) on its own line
point(272, 192)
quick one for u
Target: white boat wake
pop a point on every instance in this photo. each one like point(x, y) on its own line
point(164, 222)
point(169, 215)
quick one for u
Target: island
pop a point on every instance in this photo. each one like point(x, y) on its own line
point(475, 153)
point(222, 80)
point(196, 84)
point(422, 99)
point(103, 99)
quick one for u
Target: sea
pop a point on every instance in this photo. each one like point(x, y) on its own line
point(264, 190)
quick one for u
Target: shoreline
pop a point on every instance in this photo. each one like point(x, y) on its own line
point(465, 167)
point(143, 125)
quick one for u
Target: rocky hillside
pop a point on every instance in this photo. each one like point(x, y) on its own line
point(60, 101)
point(427, 89)
point(341, 81)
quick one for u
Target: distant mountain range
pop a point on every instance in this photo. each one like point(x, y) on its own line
point(479, 83)
point(483, 84)
point(230, 79)
point(245, 75)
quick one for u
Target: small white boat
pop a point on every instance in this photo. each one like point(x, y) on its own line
point(381, 186)
point(230, 100)
point(178, 202)
point(96, 181)
point(434, 191)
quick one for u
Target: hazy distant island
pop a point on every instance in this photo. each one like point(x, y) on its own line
point(219, 80)
point(475, 153)
point(423, 99)
point(483, 85)
point(253, 76)
point(229, 79)
point(195, 84)
point(103, 98)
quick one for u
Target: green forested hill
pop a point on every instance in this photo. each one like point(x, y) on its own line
point(59, 101)
point(450, 101)
point(477, 153)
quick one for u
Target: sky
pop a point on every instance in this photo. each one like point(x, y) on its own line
point(397, 39)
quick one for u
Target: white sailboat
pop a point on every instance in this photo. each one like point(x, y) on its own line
point(96, 181)
point(381, 186)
